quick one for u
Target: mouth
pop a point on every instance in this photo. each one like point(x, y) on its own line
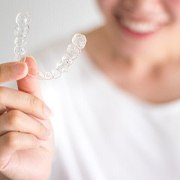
point(138, 28)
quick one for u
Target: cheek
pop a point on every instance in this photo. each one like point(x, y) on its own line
point(174, 8)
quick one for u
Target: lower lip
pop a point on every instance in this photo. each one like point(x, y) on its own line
point(135, 34)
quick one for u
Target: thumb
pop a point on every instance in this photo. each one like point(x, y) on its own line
point(30, 84)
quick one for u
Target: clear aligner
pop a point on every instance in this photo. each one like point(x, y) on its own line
point(21, 33)
point(72, 52)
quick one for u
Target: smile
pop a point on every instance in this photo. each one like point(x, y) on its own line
point(138, 28)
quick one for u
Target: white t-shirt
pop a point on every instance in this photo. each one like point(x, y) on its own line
point(104, 133)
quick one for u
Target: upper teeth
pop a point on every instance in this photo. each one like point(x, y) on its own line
point(139, 26)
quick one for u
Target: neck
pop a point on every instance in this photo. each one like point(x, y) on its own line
point(104, 53)
point(142, 76)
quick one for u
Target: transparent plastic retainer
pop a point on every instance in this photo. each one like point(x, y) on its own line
point(72, 52)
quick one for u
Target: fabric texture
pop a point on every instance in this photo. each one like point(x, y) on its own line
point(102, 132)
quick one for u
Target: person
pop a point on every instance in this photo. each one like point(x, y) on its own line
point(115, 113)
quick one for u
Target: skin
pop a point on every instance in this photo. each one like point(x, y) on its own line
point(147, 68)
point(26, 138)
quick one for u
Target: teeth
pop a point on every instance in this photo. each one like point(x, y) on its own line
point(140, 27)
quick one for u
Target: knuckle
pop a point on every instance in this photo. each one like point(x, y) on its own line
point(33, 101)
point(11, 140)
point(14, 118)
point(36, 103)
point(41, 130)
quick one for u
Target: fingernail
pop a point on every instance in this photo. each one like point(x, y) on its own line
point(30, 61)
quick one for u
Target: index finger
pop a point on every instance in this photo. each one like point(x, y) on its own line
point(25, 102)
point(12, 71)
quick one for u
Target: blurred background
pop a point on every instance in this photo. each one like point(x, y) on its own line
point(51, 20)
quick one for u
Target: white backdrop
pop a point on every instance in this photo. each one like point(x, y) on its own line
point(51, 20)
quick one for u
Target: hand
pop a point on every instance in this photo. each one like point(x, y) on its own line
point(26, 138)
